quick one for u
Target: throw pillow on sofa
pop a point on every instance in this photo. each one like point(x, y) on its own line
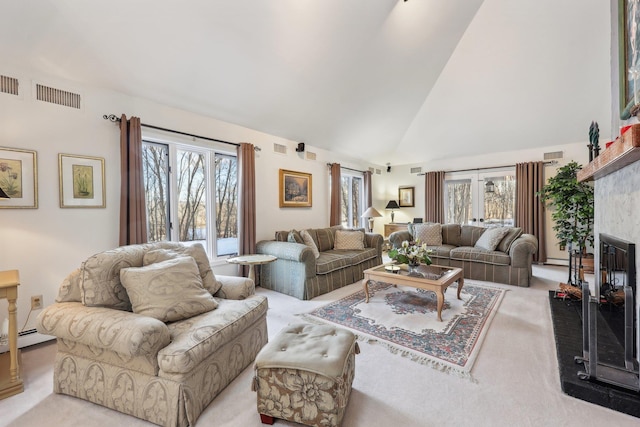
point(168, 290)
point(308, 240)
point(491, 238)
point(349, 240)
point(509, 238)
point(295, 237)
point(428, 233)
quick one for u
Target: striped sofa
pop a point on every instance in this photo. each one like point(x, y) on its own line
point(509, 263)
point(298, 273)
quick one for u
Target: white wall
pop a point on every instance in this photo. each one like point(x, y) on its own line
point(47, 243)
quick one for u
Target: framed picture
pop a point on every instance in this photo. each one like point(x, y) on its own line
point(18, 178)
point(81, 181)
point(405, 197)
point(629, 54)
point(295, 189)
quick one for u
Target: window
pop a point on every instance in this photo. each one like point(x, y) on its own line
point(352, 193)
point(185, 196)
point(486, 199)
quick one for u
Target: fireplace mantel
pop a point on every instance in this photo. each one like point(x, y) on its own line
point(621, 153)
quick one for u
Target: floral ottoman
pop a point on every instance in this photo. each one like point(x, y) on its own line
point(305, 374)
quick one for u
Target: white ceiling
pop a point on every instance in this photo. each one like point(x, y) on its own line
point(386, 81)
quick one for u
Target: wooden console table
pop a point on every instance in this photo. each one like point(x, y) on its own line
point(10, 381)
point(392, 227)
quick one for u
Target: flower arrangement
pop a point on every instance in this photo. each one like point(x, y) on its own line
point(412, 253)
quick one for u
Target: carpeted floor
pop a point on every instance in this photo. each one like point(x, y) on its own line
point(516, 372)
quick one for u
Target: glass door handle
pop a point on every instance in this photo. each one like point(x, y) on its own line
point(473, 220)
point(481, 219)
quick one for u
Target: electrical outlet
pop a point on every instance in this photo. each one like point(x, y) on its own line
point(36, 302)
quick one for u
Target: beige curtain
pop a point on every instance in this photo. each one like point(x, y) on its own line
point(335, 215)
point(434, 197)
point(529, 208)
point(246, 202)
point(133, 212)
point(368, 196)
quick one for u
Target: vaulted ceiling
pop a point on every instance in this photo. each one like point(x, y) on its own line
point(387, 81)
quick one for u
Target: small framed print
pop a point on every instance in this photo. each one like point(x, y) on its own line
point(82, 182)
point(295, 189)
point(405, 197)
point(18, 178)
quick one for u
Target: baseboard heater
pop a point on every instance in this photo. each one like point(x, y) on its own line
point(28, 338)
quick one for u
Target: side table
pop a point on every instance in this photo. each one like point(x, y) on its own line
point(10, 381)
point(252, 260)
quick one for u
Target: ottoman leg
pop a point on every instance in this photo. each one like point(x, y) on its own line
point(266, 419)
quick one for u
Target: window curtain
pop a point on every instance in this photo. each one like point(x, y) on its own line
point(335, 214)
point(133, 212)
point(529, 208)
point(246, 203)
point(434, 197)
point(368, 196)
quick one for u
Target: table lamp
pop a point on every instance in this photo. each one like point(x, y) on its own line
point(392, 205)
point(371, 213)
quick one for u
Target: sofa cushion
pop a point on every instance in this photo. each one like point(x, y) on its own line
point(512, 234)
point(469, 234)
point(329, 261)
point(442, 251)
point(349, 240)
point(451, 234)
point(308, 240)
point(168, 290)
point(196, 338)
point(196, 251)
point(466, 253)
point(429, 233)
point(294, 237)
point(354, 257)
point(490, 238)
point(70, 288)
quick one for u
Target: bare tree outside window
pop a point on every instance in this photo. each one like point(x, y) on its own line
point(351, 195)
point(226, 204)
point(459, 208)
point(155, 166)
point(192, 215)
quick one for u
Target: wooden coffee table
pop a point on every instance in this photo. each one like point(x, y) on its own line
point(435, 278)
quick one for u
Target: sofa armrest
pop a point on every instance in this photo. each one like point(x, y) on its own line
point(286, 250)
point(119, 331)
point(522, 249)
point(397, 237)
point(373, 240)
point(234, 287)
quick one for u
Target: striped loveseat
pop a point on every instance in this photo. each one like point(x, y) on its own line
point(297, 271)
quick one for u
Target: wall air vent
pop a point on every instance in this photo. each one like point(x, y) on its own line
point(310, 155)
point(372, 170)
point(8, 85)
point(279, 148)
point(378, 171)
point(553, 155)
point(416, 170)
point(57, 96)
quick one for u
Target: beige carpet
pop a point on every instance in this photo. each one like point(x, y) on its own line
point(516, 373)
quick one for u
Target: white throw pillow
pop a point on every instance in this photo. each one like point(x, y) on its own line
point(308, 240)
point(428, 233)
point(168, 290)
point(491, 237)
point(349, 240)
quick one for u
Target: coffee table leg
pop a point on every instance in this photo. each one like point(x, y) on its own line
point(365, 283)
point(460, 285)
point(440, 296)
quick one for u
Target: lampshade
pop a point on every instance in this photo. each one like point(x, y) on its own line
point(371, 213)
point(392, 205)
point(3, 195)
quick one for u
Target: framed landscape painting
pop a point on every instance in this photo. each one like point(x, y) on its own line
point(295, 189)
point(405, 197)
point(629, 55)
point(18, 178)
point(81, 181)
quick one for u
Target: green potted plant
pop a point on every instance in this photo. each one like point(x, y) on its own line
point(573, 212)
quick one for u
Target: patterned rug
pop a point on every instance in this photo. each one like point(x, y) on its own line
point(404, 320)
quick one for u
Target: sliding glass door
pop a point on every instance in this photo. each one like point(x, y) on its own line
point(484, 199)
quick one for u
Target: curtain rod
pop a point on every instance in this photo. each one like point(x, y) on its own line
point(114, 118)
point(551, 162)
point(343, 167)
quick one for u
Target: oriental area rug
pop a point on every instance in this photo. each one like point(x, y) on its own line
point(404, 320)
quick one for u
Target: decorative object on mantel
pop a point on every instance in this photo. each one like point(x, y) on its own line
point(573, 213)
point(624, 152)
point(392, 205)
point(594, 136)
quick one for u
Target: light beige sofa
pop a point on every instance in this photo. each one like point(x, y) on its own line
point(507, 260)
point(139, 331)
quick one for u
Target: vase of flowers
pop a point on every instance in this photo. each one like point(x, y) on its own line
point(412, 254)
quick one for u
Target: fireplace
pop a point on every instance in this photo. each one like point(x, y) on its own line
point(610, 318)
